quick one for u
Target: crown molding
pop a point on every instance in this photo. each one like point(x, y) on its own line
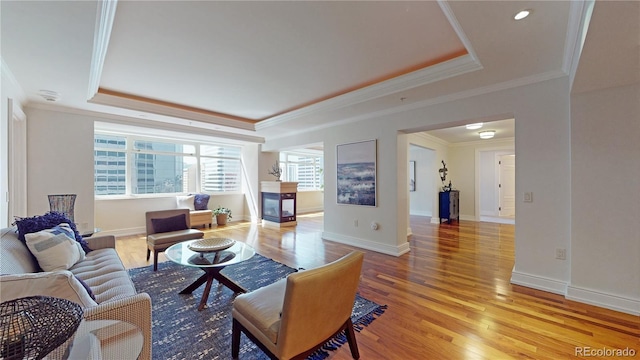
point(166, 109)
point(430, 102)
point(448, 13)
point(186, 127)
point(579, 18)
point(105, 14)
point(431, 138)
point(444, 70)
point(488, 142)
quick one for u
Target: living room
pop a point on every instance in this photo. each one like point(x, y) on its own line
point(575, 141)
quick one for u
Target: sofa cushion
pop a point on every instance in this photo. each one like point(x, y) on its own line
point(55, 248)
point(170, 238)
point(103, 271)
point(60, 284)
point(186, 202)
point(47, 221)
point(15, 256)
point(86, 287)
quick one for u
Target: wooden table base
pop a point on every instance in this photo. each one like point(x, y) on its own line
point(207, 277)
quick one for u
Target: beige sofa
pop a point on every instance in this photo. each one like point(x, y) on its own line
point(102, 270)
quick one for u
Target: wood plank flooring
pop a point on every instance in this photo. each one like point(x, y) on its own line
point(449, 298)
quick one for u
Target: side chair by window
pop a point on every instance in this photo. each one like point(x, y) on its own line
point(165, 228)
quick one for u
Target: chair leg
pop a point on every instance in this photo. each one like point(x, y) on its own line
point(351, 339)
point(148, 254)
point(155, 260)
point(235, 339)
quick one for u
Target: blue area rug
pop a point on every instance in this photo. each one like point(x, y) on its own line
point(180, 331)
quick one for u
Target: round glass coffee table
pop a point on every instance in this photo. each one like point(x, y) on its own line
point(211, 262)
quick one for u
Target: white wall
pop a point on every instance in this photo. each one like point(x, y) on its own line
point(309, 201)
point(542, 118)
point(605, 201)
point(60, 161)
point(440, 152)
point(426, 174)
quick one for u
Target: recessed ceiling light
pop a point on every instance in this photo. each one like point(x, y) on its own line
point(522, 14)
point(488, 134)
point(474, 126)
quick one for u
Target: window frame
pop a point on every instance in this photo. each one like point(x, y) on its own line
point(318, 166)
point(130, 153)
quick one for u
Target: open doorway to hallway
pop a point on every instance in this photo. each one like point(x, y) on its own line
point(486, 193)
point(496, 186)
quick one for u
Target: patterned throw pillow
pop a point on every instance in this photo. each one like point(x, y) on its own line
point(55, 248)
point(47, 221)
point(201, 201)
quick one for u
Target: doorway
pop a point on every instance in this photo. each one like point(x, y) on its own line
point(496, 186)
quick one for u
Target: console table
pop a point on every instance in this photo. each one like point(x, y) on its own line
point(449, 205)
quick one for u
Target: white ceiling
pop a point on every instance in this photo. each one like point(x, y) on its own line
point(255, 70)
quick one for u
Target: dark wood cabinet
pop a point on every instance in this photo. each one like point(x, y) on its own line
point(449, 205)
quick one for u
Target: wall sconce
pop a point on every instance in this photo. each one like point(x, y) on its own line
point(488, 134)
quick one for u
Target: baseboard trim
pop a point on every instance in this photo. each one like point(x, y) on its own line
point(367, 244)
point(124, 232)
point(539, 282)
point(597, 298)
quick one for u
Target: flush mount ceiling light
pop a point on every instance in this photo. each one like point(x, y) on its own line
point(522, 14)
point(49, 95)
point(488, 134)
point(474, 126)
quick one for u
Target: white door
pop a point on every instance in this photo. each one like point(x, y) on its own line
point(507, 185)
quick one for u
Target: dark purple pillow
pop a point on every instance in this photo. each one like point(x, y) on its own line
point(47, 221)
point(86, 287)
point(201, 202)
point(173, 223)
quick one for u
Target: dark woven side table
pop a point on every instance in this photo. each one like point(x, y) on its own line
point(32, 327)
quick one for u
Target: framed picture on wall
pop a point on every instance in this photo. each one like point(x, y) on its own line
point(412, 175)
point(356, 172)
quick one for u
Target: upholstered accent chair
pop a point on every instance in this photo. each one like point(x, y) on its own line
point(293, 317)
point(168, 227)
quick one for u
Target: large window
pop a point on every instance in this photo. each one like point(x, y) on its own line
point(303, 168)
point(130, 165)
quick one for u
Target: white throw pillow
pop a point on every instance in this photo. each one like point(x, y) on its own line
point(61, 284)
point(55, 248)
point(186, 202)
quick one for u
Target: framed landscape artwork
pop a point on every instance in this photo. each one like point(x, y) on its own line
point(356, 171)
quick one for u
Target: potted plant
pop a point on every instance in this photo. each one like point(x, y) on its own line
point(222, 214)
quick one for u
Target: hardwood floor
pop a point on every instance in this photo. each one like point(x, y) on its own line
point(449, 298)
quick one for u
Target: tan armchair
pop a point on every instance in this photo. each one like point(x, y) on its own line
point(159, 239)
point(293, 317)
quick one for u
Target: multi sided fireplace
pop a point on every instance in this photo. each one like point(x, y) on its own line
point(279, 203)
